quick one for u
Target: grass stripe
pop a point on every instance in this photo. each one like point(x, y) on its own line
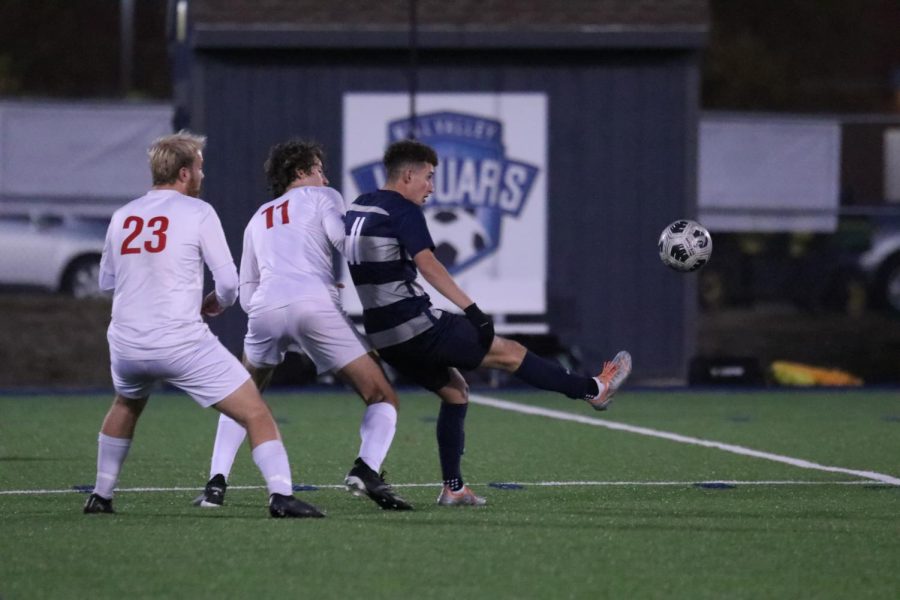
point(675, 437)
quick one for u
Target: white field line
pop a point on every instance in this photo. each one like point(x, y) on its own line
point(565, 416)
point(438, 485)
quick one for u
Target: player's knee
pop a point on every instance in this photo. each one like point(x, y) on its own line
point(374, 395)
point(460, 387)
point(259, 411)
point(505, 354)
point(379, 393)
point(250, 410)
point(134, 406)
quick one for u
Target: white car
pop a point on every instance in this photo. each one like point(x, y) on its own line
point(881, 265)
point(54, 251)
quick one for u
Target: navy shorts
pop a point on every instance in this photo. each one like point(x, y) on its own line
point(428, 357)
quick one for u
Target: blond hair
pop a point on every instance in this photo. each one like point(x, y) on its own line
point(170, 153)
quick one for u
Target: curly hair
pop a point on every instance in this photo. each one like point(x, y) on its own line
point(286, 158)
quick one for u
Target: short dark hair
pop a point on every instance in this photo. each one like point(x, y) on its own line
point(405, 152)
point(286, 158)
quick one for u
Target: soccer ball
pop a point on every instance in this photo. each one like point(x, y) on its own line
point(685, 245)
point(458, 236)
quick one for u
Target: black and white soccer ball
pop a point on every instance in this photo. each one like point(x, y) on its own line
point(457, 234)
point(685, 245)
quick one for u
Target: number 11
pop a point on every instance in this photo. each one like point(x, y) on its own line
point(270, 214)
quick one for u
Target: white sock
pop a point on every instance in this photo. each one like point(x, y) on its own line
point(111, 453)
point(272, 460)
point(379, 423)
point(229, 437)
point(601, 387)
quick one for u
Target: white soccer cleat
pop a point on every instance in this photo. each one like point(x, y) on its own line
point(464, 497)
point(610, 379)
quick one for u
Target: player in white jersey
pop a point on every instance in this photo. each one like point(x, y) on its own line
point(288, 290)
point(153, 262)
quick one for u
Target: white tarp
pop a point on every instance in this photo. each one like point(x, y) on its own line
point(94, 151)
point(769, 174)
point(892, 165)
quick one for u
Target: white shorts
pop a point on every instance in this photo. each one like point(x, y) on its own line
point(321, 329)
point(207, 372)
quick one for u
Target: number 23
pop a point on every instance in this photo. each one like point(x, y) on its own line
point(159, 225)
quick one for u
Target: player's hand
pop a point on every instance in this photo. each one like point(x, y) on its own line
point(483, 323)
point(211, 306)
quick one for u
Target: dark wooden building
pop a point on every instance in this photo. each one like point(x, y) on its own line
point(621, 82)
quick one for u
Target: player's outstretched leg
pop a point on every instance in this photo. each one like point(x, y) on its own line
point(610, 379)
point(546, 374)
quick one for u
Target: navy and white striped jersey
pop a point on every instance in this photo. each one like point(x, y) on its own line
point(384, 231)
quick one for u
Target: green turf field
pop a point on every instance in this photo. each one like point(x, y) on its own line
point(602, 513)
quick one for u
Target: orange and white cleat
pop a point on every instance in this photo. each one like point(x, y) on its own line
point(610, 379)
point(464, 497)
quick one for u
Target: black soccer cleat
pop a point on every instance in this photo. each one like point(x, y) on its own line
point(213, 495)
point(98, 505)
point(362, 480)
point(288, 507)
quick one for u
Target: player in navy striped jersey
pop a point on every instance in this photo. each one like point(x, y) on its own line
point(388, 244)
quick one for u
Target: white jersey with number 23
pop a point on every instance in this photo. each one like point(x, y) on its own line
point(153, 260)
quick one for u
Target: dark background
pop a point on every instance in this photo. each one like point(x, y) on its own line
point(797, 56)
point(767, 55)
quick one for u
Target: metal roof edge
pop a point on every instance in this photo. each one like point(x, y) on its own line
point(266, 36)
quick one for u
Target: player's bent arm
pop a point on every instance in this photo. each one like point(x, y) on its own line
point(435, 274)
point(226, 279)
point(217, 256)
point(333, 218)
point(107, 281)
point(107, 276)
point(249, 277)
point(245, 295)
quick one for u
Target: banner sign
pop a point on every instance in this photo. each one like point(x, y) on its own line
point(769, 174)
point(488, 212)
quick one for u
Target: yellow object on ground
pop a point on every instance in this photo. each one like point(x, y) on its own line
point(791, 373)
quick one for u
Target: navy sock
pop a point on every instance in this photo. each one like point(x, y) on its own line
point(451, 439)
point(549, 375)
